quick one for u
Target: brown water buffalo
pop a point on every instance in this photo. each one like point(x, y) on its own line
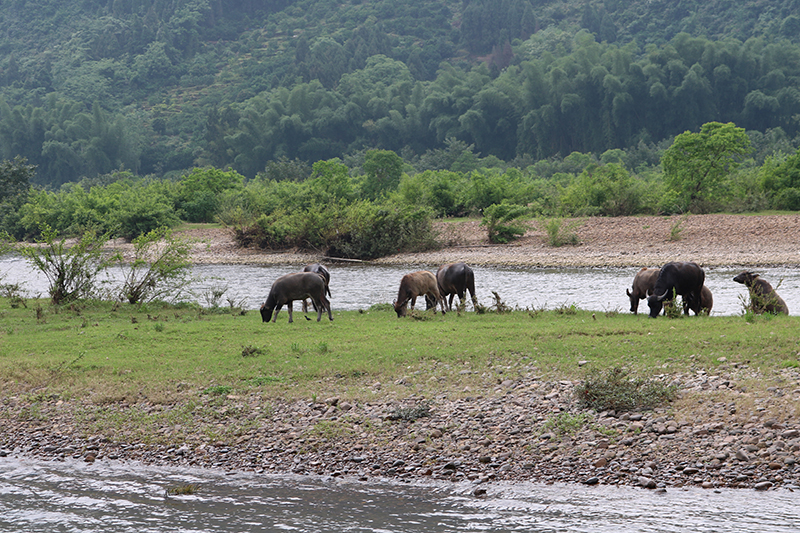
point(677, 278)
point(420, 283)
point(292, 287)
point(455, 279)
point(322, 271)
point(763, 298)
point(706, 302)
point(643, 283)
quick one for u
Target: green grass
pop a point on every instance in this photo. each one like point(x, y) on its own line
point(110, 352)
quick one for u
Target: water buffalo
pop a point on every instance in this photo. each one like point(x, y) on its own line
point(454, 279)
point(763, 298)
point(677, 278)
point(416, 284)
point(706, 302)
point(292, 287)
point(643, 283)
point(322, 271)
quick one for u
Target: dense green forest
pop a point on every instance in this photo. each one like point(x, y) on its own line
point(157, 87)
point(347, 126)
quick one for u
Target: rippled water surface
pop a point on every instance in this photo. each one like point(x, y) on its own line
point(360, 286)
point(37, 496)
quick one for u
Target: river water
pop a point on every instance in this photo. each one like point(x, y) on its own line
point(358, 286)
point(73, 496)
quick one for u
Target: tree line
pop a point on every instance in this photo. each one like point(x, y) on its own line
point(379, 203)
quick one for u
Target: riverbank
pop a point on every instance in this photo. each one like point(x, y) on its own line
point(709, 240)
point(734, 425)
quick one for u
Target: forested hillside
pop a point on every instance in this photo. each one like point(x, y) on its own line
point(157, 87)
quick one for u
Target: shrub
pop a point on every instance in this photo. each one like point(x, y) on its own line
point(160, 267)
point(560, 233)
point(615, 390)
point(502, 222)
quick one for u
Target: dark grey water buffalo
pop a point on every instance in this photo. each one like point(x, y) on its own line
point(643, 283)
point(763, 298)
point(322, 271)
point(286, 289)
point(677, 279)
point(455, 279)
point(420, 283)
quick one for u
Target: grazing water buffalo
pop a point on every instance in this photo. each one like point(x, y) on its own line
point(763, 298)
point(455, 279)
point(322, 271)
point(643, 283)
point(677, 278)
point(420, 283)
point(292, 287)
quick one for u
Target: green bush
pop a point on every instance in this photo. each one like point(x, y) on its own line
point(788, 199)
point(502, 222)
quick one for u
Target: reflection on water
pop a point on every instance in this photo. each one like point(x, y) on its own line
point(360, 286)
point(39, 496)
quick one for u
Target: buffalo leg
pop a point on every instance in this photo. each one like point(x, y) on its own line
point(277, 310)
point(289, 308)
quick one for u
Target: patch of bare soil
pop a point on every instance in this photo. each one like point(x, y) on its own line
point(710, 240)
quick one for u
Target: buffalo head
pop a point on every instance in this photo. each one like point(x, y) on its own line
point(266, 313)
point(656, 303)
point(745, 278)
point(399, 309)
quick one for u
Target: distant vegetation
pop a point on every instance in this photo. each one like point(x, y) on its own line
point(347, 126)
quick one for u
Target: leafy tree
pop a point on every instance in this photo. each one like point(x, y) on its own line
point(383, 168)
point(160, 267)
point(71, 271)
point(15, 178)
point(330, 181)
point(200, 190)
point(696, 165)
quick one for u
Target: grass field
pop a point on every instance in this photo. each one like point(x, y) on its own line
point(108, 352)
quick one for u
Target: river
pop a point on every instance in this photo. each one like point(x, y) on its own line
point(73, 496)
point(358, 286)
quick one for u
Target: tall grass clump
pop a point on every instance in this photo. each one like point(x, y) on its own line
point(560, 233)
point(615, 390)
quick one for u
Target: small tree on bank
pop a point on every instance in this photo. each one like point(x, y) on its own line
point(696, 165)
point(71, 271)
point(160, 267)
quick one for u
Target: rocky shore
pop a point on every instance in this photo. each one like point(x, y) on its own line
point(736, 428)
point(717, 434)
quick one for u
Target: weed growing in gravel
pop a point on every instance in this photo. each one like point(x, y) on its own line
point(615, 390)
point(676, 229)
point(566, 423)
point(411, 414)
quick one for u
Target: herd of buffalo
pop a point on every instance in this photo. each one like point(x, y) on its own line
point(657, 285)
